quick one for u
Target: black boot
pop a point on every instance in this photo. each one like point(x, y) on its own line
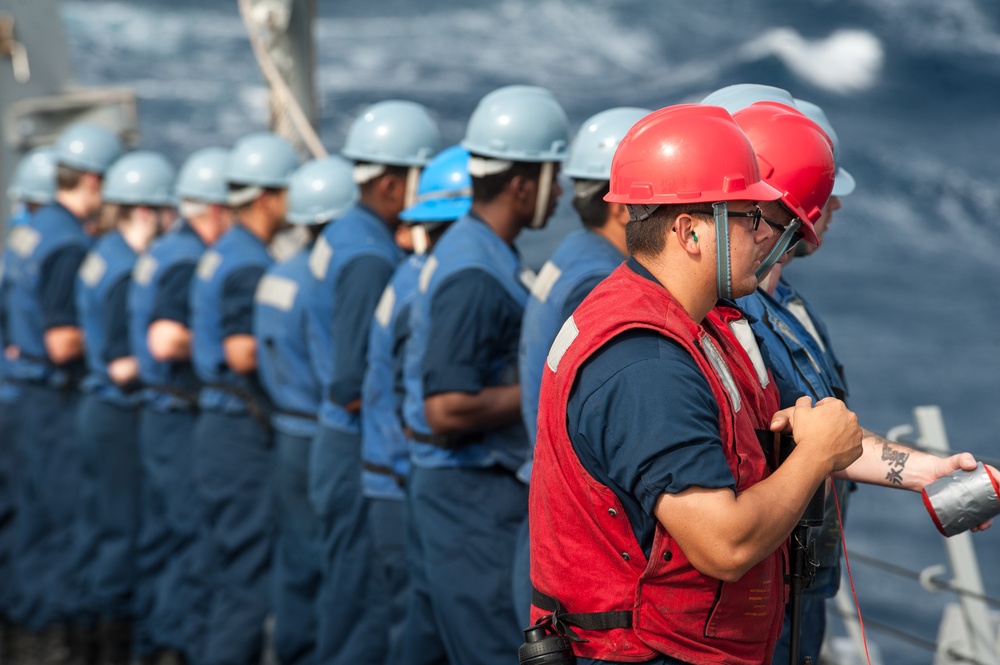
point(115, 642)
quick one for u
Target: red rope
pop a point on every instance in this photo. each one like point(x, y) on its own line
point(850, 577)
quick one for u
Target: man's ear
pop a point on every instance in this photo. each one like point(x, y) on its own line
point(686, 228)
point(618, 213)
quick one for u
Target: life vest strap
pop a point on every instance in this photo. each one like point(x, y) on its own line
point(562, 620)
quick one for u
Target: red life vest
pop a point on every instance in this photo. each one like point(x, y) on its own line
point(583, 549)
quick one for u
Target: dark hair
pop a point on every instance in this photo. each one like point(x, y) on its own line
point(236, 187)
point(68, 177)
point(400, 172)
point(590, 205)
point(487, 188)
point(647, 237)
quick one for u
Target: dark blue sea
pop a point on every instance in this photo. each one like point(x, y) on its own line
point(909, 276)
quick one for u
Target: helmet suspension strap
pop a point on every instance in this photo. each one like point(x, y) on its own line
point(723, 270)
point(412, 183)
point(542, 200)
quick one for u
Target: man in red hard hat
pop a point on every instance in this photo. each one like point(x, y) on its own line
point(657, 524)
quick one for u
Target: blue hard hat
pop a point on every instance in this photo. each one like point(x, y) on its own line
point(261, 159)
point(595, 143)
point(518, 123)
point(393, 132)
point(741, 95)
point(844, 183)
point(202, 177)
point(142, 177)
point(445, 191)
point(321, 190)
point(34, 179)
point(87, 147)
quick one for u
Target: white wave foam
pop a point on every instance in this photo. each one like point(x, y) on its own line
point(847, 61)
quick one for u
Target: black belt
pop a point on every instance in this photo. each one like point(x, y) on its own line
point(446, 441)
point(561, 620)
point(257, 411)
point(383, 470)
point(304, 415)
point(189, 398)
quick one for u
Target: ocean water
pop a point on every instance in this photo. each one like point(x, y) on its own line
point(908, 276)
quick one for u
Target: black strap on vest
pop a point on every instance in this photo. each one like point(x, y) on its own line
point(562, 620)
point(770, 443)
point(383, 470)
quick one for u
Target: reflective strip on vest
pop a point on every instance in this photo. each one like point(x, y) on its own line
point(787, 332)
point(722, 370)
point(562, 342)
point(798, 310)
point(277, 292)
point(209, 263)
point(547, 277)
point(144, 270)
point(383, 311)
point(23, 240)
point(426, 273)
point(93, 269)
point(744, 335)
point(319, 259)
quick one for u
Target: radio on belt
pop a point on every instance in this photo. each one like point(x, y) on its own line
point(963, 499)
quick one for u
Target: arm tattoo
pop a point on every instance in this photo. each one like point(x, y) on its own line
point(895, 459)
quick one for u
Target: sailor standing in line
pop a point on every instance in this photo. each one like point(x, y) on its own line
point(351, 263)
point(45, 345)
point(581, 261)
point(444, 195)
point(232, 439)
point(170, 593)
point(463, 401)
point(138, 200)
point(319, 193)
point(33, 186)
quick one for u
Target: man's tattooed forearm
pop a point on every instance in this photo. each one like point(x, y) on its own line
point(896, 461)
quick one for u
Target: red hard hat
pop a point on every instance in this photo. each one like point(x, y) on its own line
point(795, 156)
point(689, 153)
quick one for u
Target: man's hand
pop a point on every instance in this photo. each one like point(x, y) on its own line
point(945, 466)
point(828, 429)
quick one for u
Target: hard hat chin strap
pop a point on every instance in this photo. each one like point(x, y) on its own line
point(420, 240)
point(780, 247)
point(412, 183)
point(723, 267)
point(542, 200)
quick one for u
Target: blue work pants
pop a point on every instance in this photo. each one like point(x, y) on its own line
point(234, 475)
point(389, 537)
point(172, 586)
point(110, 459)
point(351, 609)
point(421, 642)
point(467, 520)
point(47, 496)
point(8, 497)
point(297, 555)
point(521, 577)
